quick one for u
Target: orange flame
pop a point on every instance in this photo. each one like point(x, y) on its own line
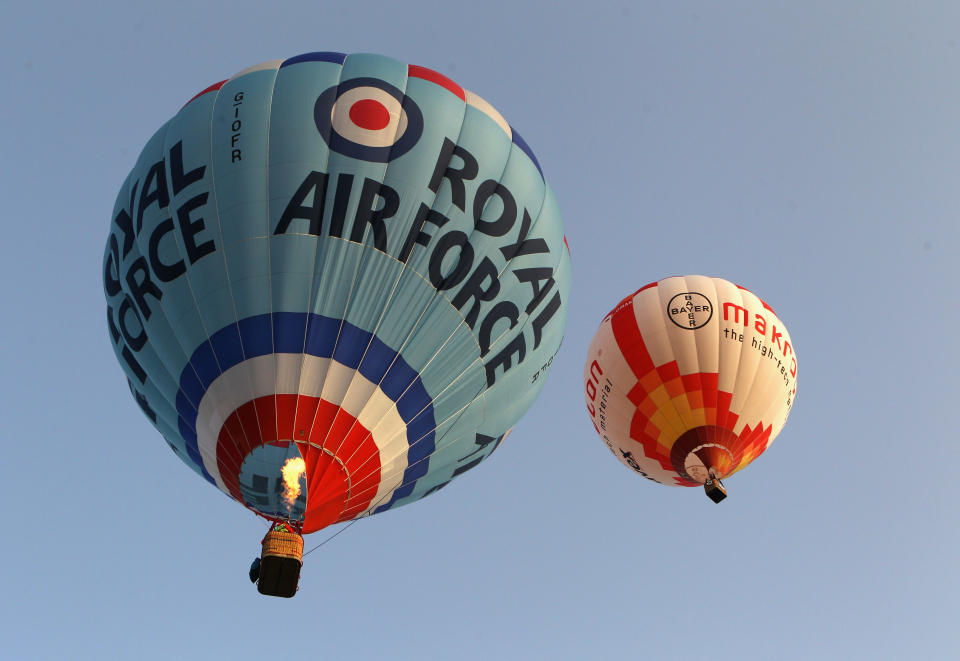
point(292, 469)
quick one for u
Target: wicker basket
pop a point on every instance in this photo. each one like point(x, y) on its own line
point(283, 545)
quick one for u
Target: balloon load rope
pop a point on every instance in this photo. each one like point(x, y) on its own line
point(353, 521)
point(342, 530)
point(330, 538)
point(349, 525)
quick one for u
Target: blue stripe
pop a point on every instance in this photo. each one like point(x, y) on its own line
point(325, 56)
point(204, 363)
point(322, 334)
point(522, 144)
point(229, 346)
point(324, 337)
point(255, 337)
point(289, 332)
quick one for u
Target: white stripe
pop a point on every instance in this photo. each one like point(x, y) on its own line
point(651, 321)
point(263, 66)
point(761, 391)
point(682, 339)
point(728, 368)
point(480, 104)
point(707, 345)
point(374, 410)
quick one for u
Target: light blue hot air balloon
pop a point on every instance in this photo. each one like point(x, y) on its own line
point(344, 259)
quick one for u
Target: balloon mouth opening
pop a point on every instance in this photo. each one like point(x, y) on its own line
point(702, 449)
point(271, 481)
point(702, 460)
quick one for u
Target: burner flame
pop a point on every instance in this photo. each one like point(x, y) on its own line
point(292, 471)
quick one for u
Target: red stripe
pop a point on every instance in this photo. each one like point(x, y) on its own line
point(213, 87)
point(429, 74)
point(357, 459)
point(326, 496)
point(342, 459)
point(630, 341)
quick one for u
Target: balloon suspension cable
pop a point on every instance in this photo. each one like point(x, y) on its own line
point(352, 521)
point(330, 537)
point(714, 487)
point(344, 529)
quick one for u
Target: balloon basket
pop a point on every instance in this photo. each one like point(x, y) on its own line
point(715, 490)
point(280, 563)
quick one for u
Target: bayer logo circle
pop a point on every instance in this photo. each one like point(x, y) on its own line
point(690, 310)
point(368, 119)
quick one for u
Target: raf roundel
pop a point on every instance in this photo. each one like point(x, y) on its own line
point(368, 119)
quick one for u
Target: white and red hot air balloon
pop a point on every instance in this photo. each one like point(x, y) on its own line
point(690, 379)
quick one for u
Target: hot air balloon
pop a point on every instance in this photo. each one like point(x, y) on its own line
point(690, 379)
point(334, 283)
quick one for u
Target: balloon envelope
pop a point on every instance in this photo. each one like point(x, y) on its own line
point(341, 259)
point(687, 375)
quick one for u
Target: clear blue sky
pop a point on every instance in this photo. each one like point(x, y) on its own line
point(808, 151)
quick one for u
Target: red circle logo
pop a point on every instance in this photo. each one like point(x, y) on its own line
point(369, 114)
